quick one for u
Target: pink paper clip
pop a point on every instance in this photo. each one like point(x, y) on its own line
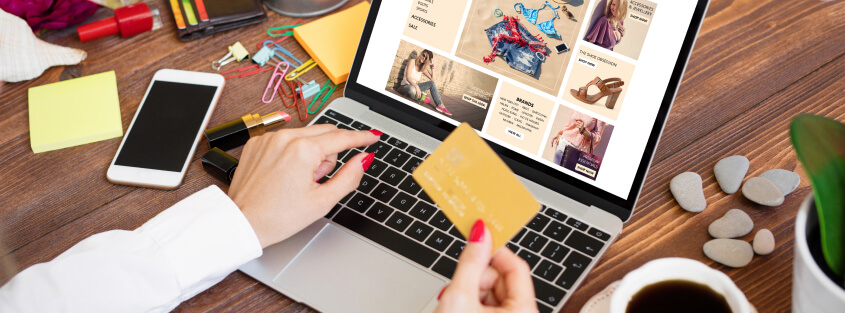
point(255, 70)
point(280, 76)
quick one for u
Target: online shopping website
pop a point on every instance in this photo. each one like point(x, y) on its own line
point(576, 86)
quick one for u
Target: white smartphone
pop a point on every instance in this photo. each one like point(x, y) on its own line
point(164, 133)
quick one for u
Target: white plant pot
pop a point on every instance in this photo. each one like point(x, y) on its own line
point(812, 290)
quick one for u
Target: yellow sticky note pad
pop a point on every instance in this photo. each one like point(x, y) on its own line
point(470, 182)
point(74, 112)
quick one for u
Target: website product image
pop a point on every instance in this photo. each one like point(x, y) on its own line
point(547, 27)
point(521, 50)
point(578, 142)
point(607, 88)
point(438, 84)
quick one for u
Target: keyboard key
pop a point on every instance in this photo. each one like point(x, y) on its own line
point(352, 153)
point(581, 242)
point(548, 270)
point(569, 277)
point(412, 164)
point(380, 149)
point(557, 231)
point(360, 202)
point(544, 308)
point(440, 221)
point(425, 197)
point(344, 126)
point(383, 193)
point(410, 186)
point(512, 246)
point(419, 231)
point(457, 233)
point(325, 120)
point(533, 241)
point(439, 241)
point(393, 176)
point(576, 261)
point(367, 184)
point(538, 222)
point(555, 252)
point(445, 267)
point(346, 198)
point(376, 168)
point(359, 126)
point(403, 202)
point(547, 293)
point(379, 212)
point(398, 143)
point(529, 257)
point(340, 117)
point(555, 214)
point(397, 157)
point(423, 211)
point(598, 234)
point(334, 210)
point(323, 180)
point(382, 235)
point(456, 249)
point(577, 224)
point(384, 137)
point(399, 221)
point(519, 235)
point(416, 152)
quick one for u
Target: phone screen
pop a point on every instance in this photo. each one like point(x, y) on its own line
point(167, 125)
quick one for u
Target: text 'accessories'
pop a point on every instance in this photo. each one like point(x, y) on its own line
point(608, 87)
point(548, 27)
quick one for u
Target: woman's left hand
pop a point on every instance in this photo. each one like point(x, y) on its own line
point(499, 284)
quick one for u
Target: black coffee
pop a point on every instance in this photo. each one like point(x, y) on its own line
point(674, 296)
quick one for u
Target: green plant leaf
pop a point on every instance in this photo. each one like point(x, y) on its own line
point(820, 145)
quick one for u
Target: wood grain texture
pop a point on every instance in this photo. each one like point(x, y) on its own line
point(756, 64)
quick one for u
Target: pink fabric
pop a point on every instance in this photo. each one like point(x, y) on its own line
point(571, 134)
point(602, 33)
point(50, 14)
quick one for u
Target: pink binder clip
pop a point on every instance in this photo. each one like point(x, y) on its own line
point(278, 76)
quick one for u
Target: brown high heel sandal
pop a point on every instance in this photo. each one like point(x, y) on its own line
point(608, 87)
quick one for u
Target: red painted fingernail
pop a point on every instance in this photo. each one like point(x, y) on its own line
point(367, 161)
point(441, 292)
point(376, 132)
point(477, 231)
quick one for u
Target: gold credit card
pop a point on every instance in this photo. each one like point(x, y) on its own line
point(469, 182)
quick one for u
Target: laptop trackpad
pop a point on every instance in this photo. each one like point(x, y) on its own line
point(338, 272)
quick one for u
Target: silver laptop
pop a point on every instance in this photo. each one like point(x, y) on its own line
point(576, 111)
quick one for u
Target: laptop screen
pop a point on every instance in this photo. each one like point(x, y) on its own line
point(575, 87)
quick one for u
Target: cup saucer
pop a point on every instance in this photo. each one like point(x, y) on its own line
point(600, 303)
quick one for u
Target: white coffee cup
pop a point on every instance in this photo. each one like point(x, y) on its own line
point(678, 268)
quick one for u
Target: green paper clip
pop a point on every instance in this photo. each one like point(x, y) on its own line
point(325, 97)
point(288, 33)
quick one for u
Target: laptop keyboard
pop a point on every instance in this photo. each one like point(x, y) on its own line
point(389, 208)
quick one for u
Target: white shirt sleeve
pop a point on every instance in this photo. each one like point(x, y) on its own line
point(179, 253)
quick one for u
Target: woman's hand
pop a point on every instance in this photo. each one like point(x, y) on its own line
point(621, 31)
point(275, 184)
point(419, 93)
point(555, 140)
point(503, 286)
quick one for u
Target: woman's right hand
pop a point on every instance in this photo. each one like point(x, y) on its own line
point(275, 184)
point(419, 93)
point(504, 286)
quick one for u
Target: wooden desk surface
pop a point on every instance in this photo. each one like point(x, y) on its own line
point(755, 65)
